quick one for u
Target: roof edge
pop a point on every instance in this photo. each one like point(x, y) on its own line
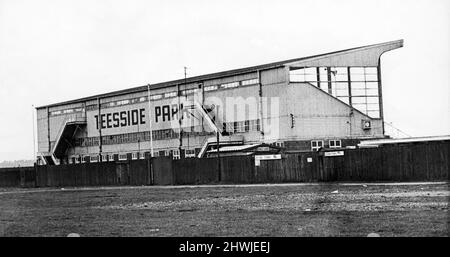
point(209, 76)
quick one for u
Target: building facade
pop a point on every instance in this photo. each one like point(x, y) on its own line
point(331, 100)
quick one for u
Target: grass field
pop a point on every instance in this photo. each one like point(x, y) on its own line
point(253, 210)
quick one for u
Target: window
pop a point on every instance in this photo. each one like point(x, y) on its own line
point(123, 102)
point(188, 91)
point(123, 157)
point(134, 137)
point(155, 97)
point(77, 159)
point(141, 156)
point(134, 156)
point(253, 126)
point(211, 88)
point(335, 143)
point(111, 157)
point(247, 126)
point(249, 82)
point(230, 85)
point(339, 74)
point(316, 145)
point(176, 154)
point(304, 75)
point(363, 82)
point(189, 153)
point(239, 126)
point(279, 144)
point(104, 158)
point(94, 158)
point(170, 94)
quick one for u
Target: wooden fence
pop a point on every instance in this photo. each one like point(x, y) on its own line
point(17, 177)
point(427, 161)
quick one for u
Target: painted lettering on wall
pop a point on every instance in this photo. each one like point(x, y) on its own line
point(121, 119)
point(167, 112)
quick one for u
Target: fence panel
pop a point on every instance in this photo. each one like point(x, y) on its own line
point(9, 177)
point(162, 171)
point(237, 169)
point(195, 171)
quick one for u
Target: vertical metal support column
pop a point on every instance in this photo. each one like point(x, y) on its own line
point(330, 90)
point(48, 130)
point(150, 117)
point(349, 78)
point(380, 94)
point(318, 76)
point(180, 132)
point(34, 133)
point(349, 87)
point(218, 150)
point(261, 112)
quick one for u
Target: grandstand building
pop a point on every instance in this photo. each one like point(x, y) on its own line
point(331, 100)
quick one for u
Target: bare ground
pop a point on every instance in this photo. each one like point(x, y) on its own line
point(254, 210)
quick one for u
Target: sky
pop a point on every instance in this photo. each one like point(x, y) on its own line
point(57, 50)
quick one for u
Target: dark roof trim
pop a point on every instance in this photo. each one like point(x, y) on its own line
point(205, 77)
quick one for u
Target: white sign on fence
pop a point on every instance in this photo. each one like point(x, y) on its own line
point(336, 153)
point(258, 158)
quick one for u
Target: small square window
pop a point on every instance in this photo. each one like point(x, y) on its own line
point(94, 158)
point(176, 154)
point(189, 153)
point(335, 143)
point(316, 145)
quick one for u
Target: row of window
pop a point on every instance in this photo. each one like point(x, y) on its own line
point(336, 74)
point(174, 94)
point(157, 96)
point(67, 111)
point(110, 157)
point(232, 84)
point(175, 153)
point(242, 126)
point(317, 144)
point(164, 134)
point(356, 86)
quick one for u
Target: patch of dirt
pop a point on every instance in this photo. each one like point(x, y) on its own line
point(304, 210)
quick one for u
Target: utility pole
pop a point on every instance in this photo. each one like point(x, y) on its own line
point(150, 117)
point(99, 131)
point(34, 134)
point(218, 145)
point(180, 136)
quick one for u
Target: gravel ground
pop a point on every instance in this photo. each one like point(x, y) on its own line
point(327, 209)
